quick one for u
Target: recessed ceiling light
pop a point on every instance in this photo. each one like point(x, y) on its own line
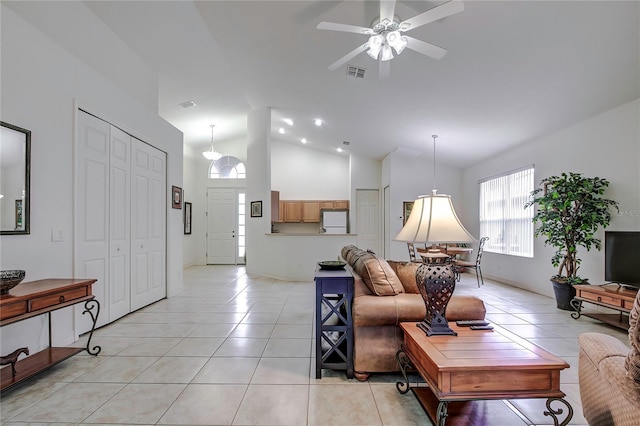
point(187, 104)
point(303, 140)
point(281, 131)
point(339, 149)
point(318, 122)
point(288, 121)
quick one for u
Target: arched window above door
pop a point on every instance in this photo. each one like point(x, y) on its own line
point(227, 167)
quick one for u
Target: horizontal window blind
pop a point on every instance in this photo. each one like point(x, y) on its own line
point(503, 217)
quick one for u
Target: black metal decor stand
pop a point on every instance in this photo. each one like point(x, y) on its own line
point(89, 305)
point(576, 304)
point(554, 413)
point(404, 363)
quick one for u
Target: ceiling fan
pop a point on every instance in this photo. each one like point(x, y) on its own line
point(387, 34)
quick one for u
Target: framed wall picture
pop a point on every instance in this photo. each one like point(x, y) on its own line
point(187, 218)
point(256, 209)
point(176, 197)
point(407, 206)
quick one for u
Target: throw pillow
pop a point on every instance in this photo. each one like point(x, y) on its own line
point(379, 277)
point(632, 363)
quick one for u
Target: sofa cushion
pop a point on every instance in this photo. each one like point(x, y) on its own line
point(380, 311)
point(632, 363)
point(406, 272)
point(378, 276)
point(376, 273)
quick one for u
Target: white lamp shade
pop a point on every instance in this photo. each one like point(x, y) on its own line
point(211, 155)
point(433, 220)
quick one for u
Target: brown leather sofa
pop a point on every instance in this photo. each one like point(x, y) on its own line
point(386, 294)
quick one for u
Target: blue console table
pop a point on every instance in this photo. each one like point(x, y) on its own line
point(334, 291)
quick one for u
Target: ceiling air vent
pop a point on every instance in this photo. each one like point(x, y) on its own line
point(355, 72)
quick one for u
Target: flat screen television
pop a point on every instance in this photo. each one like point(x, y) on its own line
point(622, 257)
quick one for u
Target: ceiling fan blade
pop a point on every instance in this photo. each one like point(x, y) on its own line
point(346, 58)
point(384, 69)
point(387, 9)
point(438, 12)
point(428, 49)
point(331, 26)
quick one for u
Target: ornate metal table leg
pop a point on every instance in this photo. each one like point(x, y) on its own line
point(403, 362)
point(554, 413)
point(577, 307)
point(89, 305)
point(441, 413)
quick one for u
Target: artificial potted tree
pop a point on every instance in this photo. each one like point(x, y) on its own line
point(571, 208)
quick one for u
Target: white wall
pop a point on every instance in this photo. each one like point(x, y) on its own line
point(41, 83)
point(608, 146)
point(300, 173)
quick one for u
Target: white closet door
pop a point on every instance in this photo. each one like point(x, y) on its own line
point(92, 213)
point(119, 225)
point(148, 229)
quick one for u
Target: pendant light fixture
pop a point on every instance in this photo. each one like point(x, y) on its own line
point(211, 153)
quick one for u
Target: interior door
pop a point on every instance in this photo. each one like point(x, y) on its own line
point(221, 226)
point(148, 229)
point(386, 220)
point(119, 225)
point(368, 219)
point(91, 221)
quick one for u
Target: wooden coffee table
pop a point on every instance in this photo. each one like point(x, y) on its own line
point(478, 365)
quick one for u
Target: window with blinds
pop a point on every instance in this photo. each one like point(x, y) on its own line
point(503, 217)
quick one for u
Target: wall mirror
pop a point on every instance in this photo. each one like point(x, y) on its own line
point(15, 159)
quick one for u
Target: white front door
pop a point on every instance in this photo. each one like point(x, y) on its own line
point(222, 214)
point(148, 230)
point(368, 219)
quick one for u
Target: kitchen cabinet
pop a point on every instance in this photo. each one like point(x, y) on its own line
point(327, 205)
point(306, 211)
point(292, 211)
point(311, 211)
point(341, 204)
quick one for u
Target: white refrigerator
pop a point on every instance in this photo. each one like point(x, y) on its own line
point(334, 221)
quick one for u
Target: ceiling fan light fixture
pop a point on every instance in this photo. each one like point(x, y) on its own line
point(397, 41)
point(387, 54)
point(375, 45)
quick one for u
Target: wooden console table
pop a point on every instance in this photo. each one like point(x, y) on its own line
point(30, 299)
point(612, 296)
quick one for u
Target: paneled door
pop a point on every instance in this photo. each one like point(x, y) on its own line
point(221, 226)
point(368, 219)
point(91, 245)
point(148, 224)
point(119, 224)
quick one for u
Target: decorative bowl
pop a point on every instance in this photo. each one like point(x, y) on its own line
point(332, 265)
point(9, 279)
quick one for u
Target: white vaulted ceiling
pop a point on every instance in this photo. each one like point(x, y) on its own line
point(514, 71)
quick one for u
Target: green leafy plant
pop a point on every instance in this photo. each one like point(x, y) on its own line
point(571, 208)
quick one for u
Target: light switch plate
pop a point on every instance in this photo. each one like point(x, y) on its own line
point(57, 235)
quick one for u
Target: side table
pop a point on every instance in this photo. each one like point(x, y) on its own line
point(30, 299)
point(334, 290)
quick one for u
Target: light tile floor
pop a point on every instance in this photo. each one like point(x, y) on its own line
point(234, 349)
